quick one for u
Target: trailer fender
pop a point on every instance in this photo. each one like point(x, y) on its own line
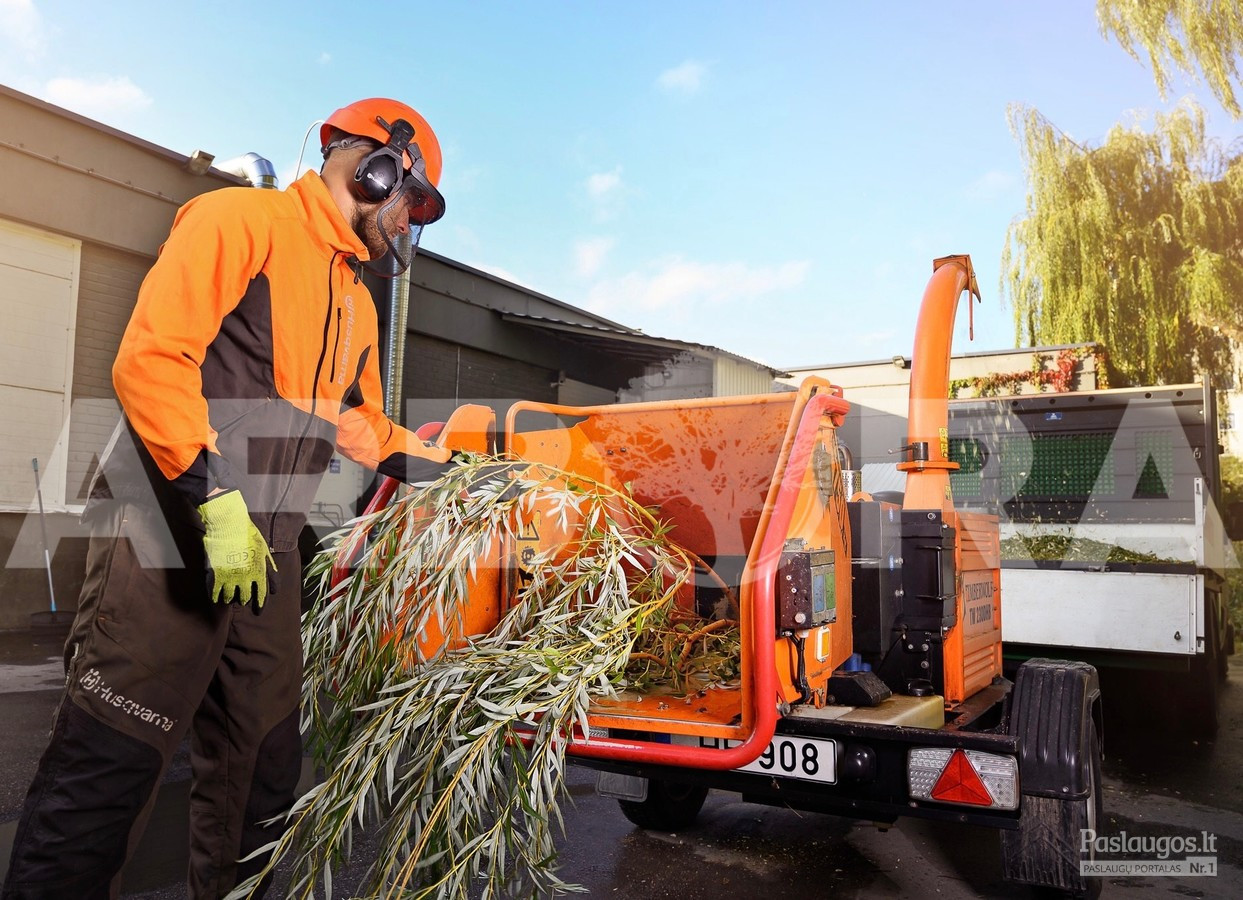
point(1053, 703)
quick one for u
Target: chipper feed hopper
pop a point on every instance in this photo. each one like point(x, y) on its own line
point(871, 683)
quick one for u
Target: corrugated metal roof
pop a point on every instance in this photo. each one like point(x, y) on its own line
point(568, 309)
point(639, 346)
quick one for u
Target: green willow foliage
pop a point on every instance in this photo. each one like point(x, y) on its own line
point(456, 761)
point(1137, 244)
point(1185, 34)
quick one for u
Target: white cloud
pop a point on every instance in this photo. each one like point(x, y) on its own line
point(604, 184)
point(503, 274)
point(589, 254)
point(464, 238)
point(876, 338)
point(606, 194)
point(324, 58)
point(97, 98)
point(679, 285)
point(685, 79)
point(991, 185)
point(457, 179)
point(21, 27)
point(289, 174)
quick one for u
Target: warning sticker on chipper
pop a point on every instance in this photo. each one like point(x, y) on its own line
point(528, 543)
point(978, 602)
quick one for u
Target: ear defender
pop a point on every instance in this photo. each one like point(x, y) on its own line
point(381, 171)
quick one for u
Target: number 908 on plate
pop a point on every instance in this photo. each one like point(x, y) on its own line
point(789, 756)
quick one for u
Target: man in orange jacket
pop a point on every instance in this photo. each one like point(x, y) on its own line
point(251, 354)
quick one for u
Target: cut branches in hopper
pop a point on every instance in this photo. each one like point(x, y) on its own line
point(448, 741)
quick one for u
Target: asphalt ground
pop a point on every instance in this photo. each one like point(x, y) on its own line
point(1157, 781)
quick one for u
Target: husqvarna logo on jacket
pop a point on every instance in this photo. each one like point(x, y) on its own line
point(348, 327)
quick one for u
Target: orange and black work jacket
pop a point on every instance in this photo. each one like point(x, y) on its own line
point(252, 352)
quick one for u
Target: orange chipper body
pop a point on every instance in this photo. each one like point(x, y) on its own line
point(753, 486)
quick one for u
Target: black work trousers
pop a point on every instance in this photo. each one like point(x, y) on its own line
point(150, 657)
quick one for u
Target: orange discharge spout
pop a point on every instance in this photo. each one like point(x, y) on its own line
point(927, 463)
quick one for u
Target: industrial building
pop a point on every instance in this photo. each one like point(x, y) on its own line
point(83, 210)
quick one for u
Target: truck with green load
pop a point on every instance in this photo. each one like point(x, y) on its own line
point(1114, 548)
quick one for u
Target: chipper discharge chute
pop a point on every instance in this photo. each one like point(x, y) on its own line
point(869, 679)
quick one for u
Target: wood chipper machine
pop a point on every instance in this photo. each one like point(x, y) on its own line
point(870, 673)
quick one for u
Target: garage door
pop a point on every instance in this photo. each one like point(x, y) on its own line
point(38, 287)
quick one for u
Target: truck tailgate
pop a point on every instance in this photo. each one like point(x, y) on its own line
point(1150, 612)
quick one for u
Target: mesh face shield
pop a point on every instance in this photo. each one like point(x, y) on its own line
point(424, 204)
point(405, 197)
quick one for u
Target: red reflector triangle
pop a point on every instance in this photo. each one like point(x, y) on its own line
point(959, 783)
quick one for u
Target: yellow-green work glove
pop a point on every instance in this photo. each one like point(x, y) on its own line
point(237, 554)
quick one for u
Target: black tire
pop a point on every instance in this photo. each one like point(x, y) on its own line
point(670, 806)
point(1094, 810)
point(1054, 709)
point(1046, 849)
point(1225, 648)
point(1197, 696)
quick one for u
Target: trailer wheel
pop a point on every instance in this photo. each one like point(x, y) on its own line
point(670, 806)
point(1046, 850)
point(1061, 745)
point(1198, 697)
point(1225, 647)
point(1197, 690)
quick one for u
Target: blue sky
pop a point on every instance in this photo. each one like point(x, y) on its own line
point(770, 178)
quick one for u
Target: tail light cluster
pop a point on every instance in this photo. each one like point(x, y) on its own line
point(965, 777)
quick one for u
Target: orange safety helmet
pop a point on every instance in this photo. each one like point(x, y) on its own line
point(362, 118)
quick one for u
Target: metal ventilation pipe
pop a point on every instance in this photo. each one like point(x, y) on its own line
point(398, 313)
point(251, 166)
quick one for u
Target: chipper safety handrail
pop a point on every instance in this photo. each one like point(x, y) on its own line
point(774, 524)
point(763, 625)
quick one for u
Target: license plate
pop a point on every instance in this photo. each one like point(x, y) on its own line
point(788, 756)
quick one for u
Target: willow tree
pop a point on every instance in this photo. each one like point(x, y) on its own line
point(1136, 243)
point(1191, 35)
